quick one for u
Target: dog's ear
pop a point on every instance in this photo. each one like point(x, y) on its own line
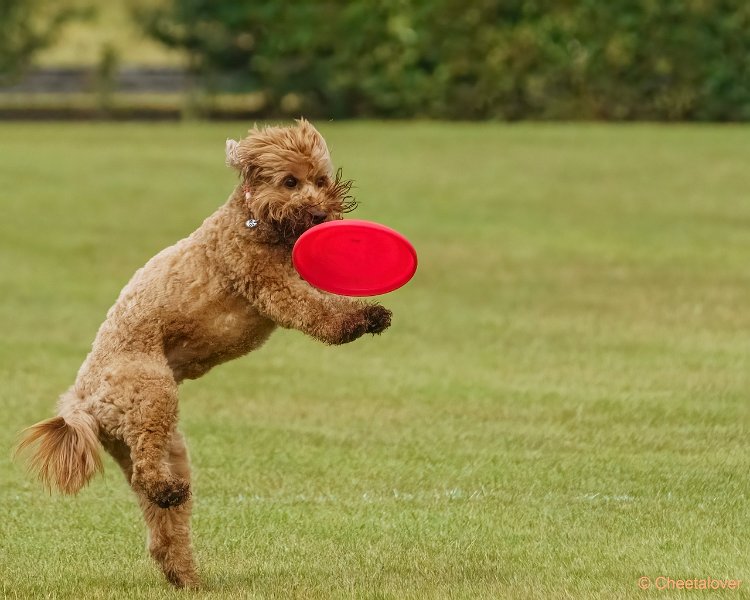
point(243, 155)
point(232, 155)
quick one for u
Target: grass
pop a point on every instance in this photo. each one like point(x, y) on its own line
point(560, 407)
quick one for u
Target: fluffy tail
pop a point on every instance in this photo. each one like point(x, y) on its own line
point(67, 456)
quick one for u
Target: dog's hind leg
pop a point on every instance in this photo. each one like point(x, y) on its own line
point(168, 528)
point(149, 393)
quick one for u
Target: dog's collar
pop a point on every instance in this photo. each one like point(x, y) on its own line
point(251, 223)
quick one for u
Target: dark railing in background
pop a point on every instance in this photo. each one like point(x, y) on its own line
point(121, 94)
point(81, 80)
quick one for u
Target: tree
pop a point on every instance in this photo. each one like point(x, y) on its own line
point(25, 29)
point(502, 59)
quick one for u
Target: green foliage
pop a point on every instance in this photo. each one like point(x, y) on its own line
point(505, 59)
point(670, 59)
point(26, 27)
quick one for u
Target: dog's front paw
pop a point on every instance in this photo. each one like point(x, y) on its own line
point(372, 318)
point(378, 318)
point(348, 328)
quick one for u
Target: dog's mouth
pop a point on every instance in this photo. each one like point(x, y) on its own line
point(289, 229)
point(317, 216)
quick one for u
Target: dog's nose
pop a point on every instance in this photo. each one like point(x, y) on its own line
point(318, 216)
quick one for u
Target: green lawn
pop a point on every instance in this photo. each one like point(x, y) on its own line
point(561, 406)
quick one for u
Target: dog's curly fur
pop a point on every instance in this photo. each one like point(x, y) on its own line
point(212, 297)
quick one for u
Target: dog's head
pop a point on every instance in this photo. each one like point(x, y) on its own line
point(288, 181)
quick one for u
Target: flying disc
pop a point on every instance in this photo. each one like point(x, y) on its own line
point(354, 258)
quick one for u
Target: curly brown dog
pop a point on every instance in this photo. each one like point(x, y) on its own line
point(212, 297)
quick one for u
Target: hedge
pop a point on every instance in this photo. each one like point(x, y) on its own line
point(472, 59)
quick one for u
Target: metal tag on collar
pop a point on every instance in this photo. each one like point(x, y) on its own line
point(250, 223)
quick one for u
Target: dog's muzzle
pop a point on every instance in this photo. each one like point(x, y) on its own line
point(317, 216)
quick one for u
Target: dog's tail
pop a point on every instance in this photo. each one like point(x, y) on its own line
point(67, 456)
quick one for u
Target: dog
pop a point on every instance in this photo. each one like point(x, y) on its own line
point(212, 297)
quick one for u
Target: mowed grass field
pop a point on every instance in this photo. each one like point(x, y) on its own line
point(561, 407)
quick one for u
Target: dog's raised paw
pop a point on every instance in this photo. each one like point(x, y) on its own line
point(166, 494)
point(350, 328)
point(372, 318)
point(378, 318)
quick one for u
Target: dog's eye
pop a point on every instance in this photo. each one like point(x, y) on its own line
point(290, 182)
point(321, 181)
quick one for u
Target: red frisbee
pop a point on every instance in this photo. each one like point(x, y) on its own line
point(354, 258)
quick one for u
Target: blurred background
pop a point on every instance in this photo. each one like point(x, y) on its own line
point(439, 59)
